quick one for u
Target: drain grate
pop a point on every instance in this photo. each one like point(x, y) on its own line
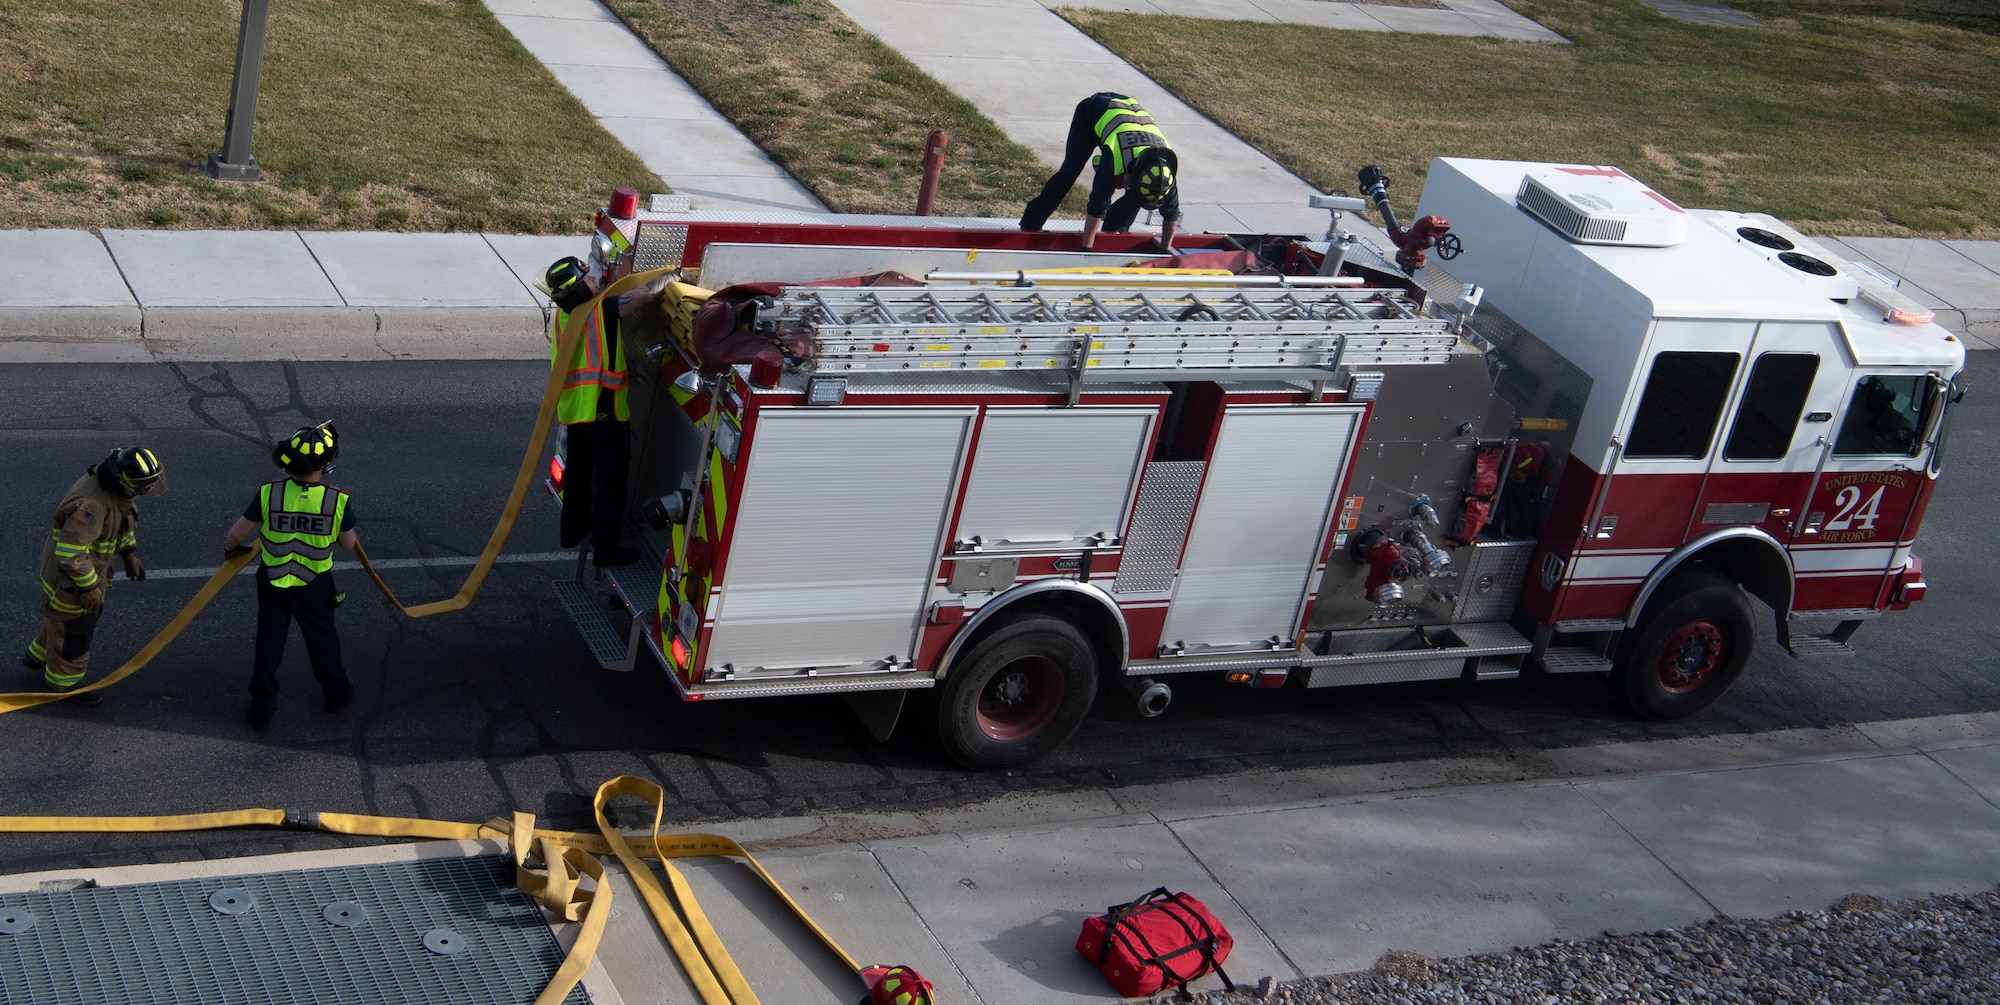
point(356, 935)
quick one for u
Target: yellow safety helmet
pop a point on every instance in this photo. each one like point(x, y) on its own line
point(1153, 171)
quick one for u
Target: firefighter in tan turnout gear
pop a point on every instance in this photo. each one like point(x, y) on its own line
point(299, 518)
point(95, 521)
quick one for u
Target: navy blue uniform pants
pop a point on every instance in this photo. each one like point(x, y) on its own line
point(595, 461)
point(1077, 151)
point(311, 606)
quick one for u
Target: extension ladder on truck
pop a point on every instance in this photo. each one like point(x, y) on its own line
point(1136, 333)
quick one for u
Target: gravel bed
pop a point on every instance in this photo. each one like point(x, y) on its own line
point(1863, 949)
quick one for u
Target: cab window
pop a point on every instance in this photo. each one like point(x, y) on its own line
point(1682, 405)
point(1886, 416)
point(1772, 403)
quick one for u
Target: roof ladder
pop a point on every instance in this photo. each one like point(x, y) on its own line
point(1112, 332)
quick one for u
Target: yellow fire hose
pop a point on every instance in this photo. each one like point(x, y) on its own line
point(565, 857)
point(550, 866)
point(523, 478)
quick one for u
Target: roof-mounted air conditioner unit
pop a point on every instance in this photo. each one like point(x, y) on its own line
point(1601, 205)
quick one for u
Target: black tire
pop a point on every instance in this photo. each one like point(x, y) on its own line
point(1018, 694)
point(1690, 645)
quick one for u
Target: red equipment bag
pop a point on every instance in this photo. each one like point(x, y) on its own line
point(897, 985)
point(1160, 939)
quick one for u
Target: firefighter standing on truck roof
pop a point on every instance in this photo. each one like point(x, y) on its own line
point(95, 520)
point(1131, 153)
point(299, 518)
point(594, 412)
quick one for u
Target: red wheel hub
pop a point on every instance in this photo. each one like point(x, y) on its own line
point(1020, 698)
point(1691, 654)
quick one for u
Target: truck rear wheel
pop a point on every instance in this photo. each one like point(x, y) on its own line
point(1690, 646)
point(1020, 692)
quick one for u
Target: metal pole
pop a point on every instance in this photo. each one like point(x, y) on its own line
point(235, 162)
point(934, 145)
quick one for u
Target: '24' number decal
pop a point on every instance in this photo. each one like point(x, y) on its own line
point(1849, 511)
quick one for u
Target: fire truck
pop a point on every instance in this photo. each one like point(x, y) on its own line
point(1563, 425)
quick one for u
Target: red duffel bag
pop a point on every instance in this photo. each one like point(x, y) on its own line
point(1158, 940)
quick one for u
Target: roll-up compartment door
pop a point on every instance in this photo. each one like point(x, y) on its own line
point(837, 536)
point(1051, 479)
point(1262, 515)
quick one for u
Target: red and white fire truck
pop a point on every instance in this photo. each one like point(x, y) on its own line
point(876, 455)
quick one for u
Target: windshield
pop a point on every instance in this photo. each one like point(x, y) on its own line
point(1887, 415)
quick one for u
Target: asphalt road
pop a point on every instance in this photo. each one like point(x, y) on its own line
point(471, 715)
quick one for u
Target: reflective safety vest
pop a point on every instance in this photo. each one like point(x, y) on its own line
point(594, 369)
point(1125, 129)
point(301, 524)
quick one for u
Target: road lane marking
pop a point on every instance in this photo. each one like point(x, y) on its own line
point(439, 562)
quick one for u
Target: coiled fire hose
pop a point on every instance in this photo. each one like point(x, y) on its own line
point(549, 865)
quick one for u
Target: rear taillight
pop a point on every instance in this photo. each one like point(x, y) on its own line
point(556, 472)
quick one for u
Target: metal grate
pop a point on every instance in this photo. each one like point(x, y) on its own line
point(1159, 527)
point(355, 935)
point(593, 621)
point(1808, 647)
point(1576, 659)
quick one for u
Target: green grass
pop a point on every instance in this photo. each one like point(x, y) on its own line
point(1840, 116)
point(403, 115)
point(843, 113)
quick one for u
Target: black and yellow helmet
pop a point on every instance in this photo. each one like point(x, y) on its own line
point(565, 280)
point(1153, 177)
point(312, 448)
point(136, 471)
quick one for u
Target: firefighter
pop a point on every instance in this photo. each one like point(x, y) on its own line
point(1131, 153)
point(95, 520)
point(594, 412)
point(299, 519)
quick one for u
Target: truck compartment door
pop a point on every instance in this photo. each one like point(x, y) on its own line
point(1257, 529)
point(837, 536)
point(1053, 480)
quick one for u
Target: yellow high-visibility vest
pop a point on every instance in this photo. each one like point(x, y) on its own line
point(1125, 129)
point(301, 524)
point(595, 369)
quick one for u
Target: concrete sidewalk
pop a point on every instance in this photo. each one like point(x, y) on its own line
point(1029, 84)
point(650, 109)
point(142, 295)
point(1322, 872)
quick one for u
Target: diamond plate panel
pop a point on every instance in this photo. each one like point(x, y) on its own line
point(160, 942)
point(659, 246)
point(1492, 579)
point(1159, 527)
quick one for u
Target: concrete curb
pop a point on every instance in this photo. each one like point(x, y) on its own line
point(134, 296)
point(127, 296)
